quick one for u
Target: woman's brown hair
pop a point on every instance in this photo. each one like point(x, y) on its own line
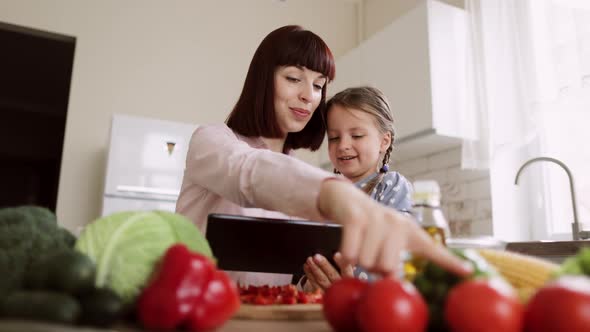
point(254, 113)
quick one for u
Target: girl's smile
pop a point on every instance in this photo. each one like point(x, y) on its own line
point(355, 144)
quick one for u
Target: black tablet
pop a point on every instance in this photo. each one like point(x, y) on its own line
point(252, 244)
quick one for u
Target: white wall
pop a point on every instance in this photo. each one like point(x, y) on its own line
point(177, 60)
point(466, 194)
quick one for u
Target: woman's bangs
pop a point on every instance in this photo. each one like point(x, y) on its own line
point(308, 50)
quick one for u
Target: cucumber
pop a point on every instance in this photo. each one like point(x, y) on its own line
point(67, 271)
point(72, 272)
point(41, 306)
point(101, 307)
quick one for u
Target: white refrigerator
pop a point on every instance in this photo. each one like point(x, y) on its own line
point(145, 163)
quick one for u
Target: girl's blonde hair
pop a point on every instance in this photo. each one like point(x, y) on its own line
point(370, 100)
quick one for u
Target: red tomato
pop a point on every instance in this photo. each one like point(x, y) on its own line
point(489, 305)
point(563, 305)
point(340, 304)
point(219, 302)
point(392, 305)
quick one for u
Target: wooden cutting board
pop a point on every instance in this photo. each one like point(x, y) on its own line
point(280, 312)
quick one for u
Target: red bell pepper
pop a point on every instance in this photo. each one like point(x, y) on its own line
point(179, 283)
point(219, 302)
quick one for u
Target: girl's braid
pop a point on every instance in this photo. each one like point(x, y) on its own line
point(386, 158)
point(371, 184)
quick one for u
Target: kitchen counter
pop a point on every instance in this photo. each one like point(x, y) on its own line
point(231, 326)
point(555, 251)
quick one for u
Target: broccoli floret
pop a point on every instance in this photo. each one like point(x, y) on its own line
point(42, 215)
point(47, 221)
point(27, 234)
point(68, 238)
point(11, 263)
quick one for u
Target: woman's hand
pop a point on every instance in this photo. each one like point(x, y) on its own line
point(373, 235)
point(321, 273)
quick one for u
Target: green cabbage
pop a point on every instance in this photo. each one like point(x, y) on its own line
point(126, 246)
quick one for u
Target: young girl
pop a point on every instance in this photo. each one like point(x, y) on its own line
point(360, 140)
point(243, 167)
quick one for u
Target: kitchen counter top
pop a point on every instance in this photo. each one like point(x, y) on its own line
point(555, 251)
point(231, 326)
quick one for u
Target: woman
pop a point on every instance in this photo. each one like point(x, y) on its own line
point(244, 167)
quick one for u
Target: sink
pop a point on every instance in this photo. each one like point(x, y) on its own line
point(555, 251)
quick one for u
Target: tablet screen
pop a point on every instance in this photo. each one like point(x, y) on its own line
point(252, 244)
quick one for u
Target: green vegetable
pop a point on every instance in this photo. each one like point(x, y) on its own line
point(434, 283)
point(126, 246)
point(40, 305)
point(481, 267)
point(68, 238)
point(576, 265)
point(101, 307)
point(67, 271)
point(27, 233)
point(584, 259)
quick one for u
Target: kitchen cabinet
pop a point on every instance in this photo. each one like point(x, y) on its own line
point(418, 61)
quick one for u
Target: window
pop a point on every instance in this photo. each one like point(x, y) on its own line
point(529, 89)
point(560, 32)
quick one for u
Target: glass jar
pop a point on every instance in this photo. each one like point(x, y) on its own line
point(428, 213)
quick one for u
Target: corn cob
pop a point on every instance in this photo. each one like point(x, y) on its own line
point(525, 273)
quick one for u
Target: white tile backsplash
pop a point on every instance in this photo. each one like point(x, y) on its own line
point(483, 209)
point(479, 189)
point(453, 191)
point(461, 210)
point(467, 174)
point(481, 227)
point(412, 167)
point(466, 194)
point(439, 175)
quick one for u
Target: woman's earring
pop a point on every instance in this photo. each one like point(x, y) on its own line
point(384, 168)
point(336, 171)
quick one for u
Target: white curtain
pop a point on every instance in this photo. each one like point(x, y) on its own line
point(529, 88)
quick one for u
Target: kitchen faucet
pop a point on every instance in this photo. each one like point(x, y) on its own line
point(577, 233)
